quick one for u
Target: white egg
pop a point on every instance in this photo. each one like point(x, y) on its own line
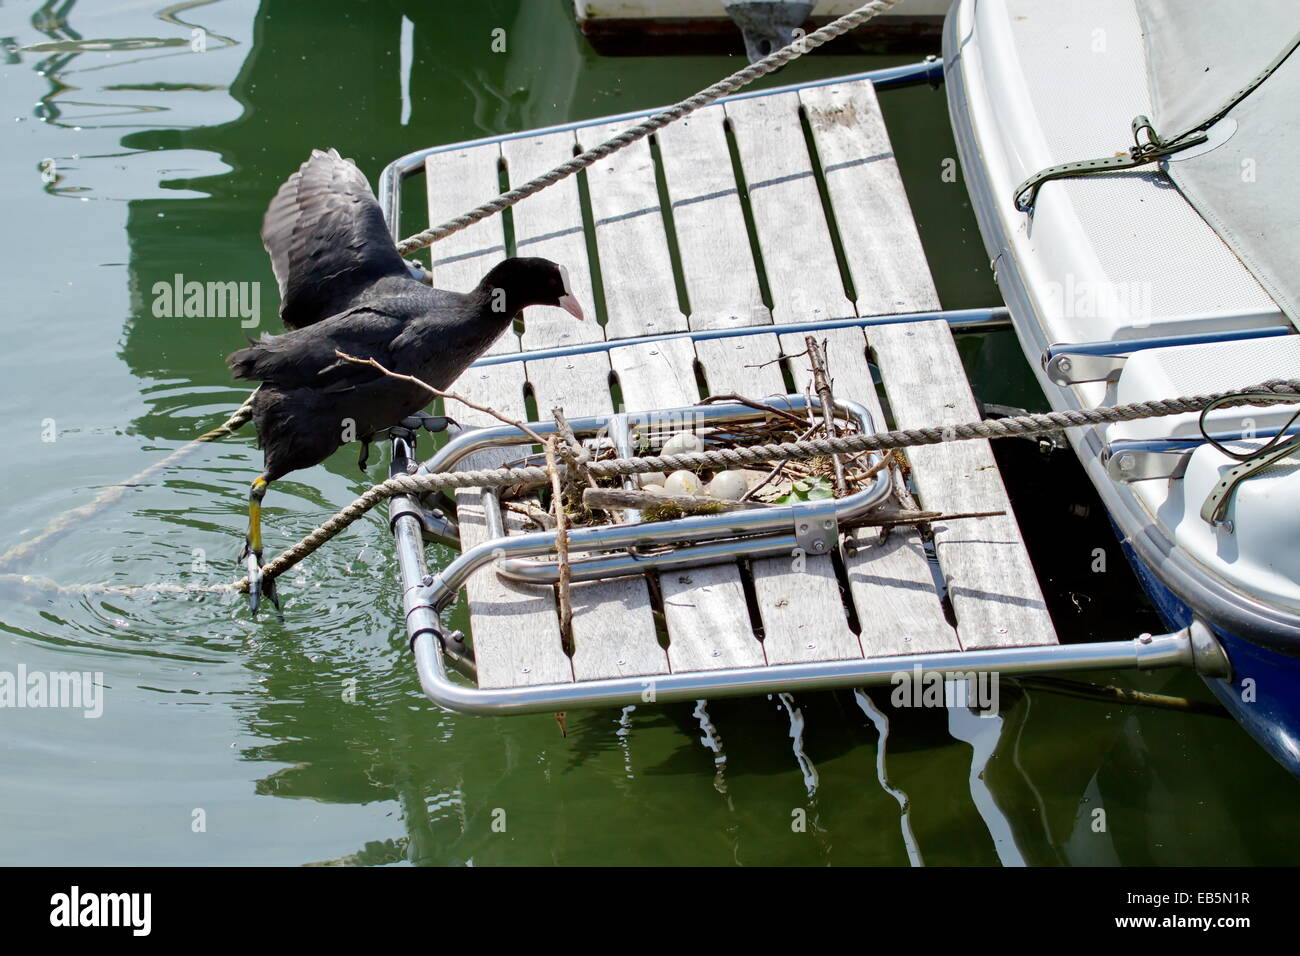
point(683, 443)
point(682, 483)
point(728, 485)
point(652, 478)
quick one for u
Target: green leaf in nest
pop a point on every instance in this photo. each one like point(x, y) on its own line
point(807, 489)
point(821, 490)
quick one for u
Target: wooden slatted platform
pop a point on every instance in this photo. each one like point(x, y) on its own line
point(788, 148)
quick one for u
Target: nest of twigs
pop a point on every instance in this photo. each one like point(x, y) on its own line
point(777, 482)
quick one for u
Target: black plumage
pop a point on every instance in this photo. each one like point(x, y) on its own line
point(327, 239)
point(344, 288)
point(311, 399)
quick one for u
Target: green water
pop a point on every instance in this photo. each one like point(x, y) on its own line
point(224, 740)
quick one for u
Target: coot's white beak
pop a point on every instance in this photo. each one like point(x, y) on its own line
point(567, 302)
point(570, 305)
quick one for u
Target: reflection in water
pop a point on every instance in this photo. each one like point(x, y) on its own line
point(713, 742)
point(65, 44)
point(796, 734)
point(983, 732)
point(881, 723)
point(1021, 717)
point(813, 821)
point(624, 734)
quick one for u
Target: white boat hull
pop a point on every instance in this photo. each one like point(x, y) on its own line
point(1122, 269)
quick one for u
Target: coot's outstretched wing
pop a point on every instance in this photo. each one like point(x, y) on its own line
point(327, 239)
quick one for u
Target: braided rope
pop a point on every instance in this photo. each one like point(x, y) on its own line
point(241, 417)
point(1015, 427)
point(724, 87)
point(65, 522)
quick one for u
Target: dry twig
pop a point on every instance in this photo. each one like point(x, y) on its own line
point(822, 382)
point(532, 512)
point(609, 498)
point(761, 406)
point(561, 543)
point(440, 393)
point(777, 468)
point(871, 472)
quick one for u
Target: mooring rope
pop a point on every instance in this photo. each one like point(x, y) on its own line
point(65, 522)
point(724, 87)
point(1019, 426)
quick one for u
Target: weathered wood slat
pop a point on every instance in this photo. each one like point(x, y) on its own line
point(613, 628)
point(893, 590)
point(457, 179)
point(747, 365)
point(580, 383)
point(515, 627)
point(991, 584)
point(635, 264)
point(798, 256)
point(799, 595)
point(549, 224)
point(712, 241)
point(878, 234)
point(704, 608)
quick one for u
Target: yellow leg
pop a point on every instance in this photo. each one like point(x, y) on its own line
point(255, 495)
point(257, 585)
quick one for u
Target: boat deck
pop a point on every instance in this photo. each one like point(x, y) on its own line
point(761, 210)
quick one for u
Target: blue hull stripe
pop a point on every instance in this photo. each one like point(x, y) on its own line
point(1264, 694)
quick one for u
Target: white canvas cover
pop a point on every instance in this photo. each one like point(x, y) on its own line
point(1199, 54)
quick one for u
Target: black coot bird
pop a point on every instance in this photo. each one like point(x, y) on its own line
point(343, 286)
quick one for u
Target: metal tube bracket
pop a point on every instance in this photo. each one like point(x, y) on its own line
point(816, 526)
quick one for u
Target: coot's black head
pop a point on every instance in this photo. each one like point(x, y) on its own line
point(518, 283)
